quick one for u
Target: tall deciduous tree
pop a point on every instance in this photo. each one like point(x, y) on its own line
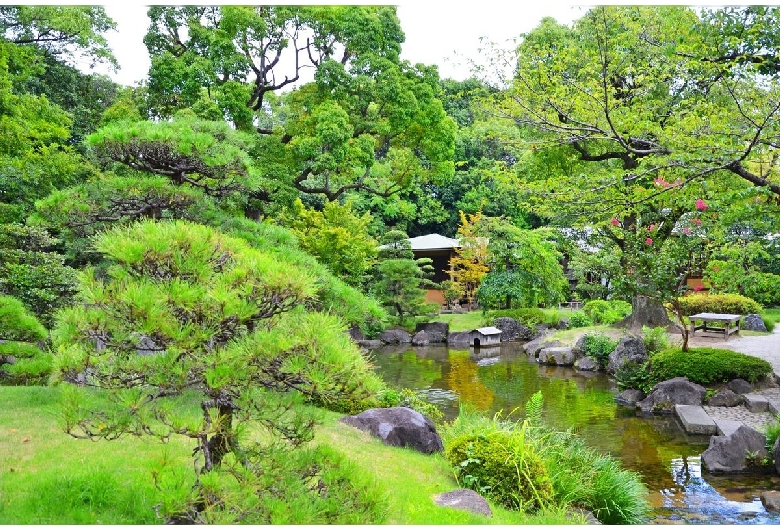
point(336, 236)
point(368, 121)
point(525, 267)
point(643, 120)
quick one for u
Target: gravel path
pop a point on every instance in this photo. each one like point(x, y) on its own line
point(763, 346)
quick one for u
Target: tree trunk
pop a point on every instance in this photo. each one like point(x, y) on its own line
point(648, 312)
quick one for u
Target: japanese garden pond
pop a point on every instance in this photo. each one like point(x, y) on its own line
point(502, 378)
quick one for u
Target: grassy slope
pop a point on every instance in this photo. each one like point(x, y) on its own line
point(48, 477)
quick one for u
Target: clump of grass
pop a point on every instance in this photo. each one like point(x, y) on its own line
point(580, 476)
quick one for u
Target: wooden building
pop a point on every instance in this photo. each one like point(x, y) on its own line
point(440, 250)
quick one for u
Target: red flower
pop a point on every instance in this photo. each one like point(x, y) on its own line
point(687, 231)
point(697, 221)
point(701, 205)
point(698, 288)
point(661, 183)
point(716, 268)
point(615, 222)
point(648, 241)
point(651, 227)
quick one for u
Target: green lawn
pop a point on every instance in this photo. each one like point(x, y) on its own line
point(48, 477)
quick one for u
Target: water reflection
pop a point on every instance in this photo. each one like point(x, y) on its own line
point(503, 379)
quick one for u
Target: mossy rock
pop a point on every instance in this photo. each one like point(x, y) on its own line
point(499, 466)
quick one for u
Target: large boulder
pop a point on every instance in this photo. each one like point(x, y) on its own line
point(370, 344)
point(740, 386)
point(398, 427)
point(463, 499)
point(753, 322)
point(395, 336)
point(439, 327)
point(533, 347)
point(666, 394)
point(630, 397)
point(421, 338)
point(630, 349)
point(459, 337)
point(725, 398)
point(771, 501)
point(559, 356)
point(356, 333)
point(736, 452)
point(586, 364)
point(776, 454)
point(512, 330)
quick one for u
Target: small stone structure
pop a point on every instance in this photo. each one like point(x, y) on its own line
point(486, 336)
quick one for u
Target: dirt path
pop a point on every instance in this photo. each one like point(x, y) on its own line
point(764, 346)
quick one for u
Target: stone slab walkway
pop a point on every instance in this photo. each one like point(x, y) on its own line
point(764, 346)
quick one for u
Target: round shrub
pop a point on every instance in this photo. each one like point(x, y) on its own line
point(599, 346)
point(502, 467)
point(606, 312)
point(580, 320)
point(732, 304)
point(707, 365)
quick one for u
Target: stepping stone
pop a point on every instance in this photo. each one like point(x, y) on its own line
point(695, 420)
point(756, 403)
point(773, 405)
point(727, 427)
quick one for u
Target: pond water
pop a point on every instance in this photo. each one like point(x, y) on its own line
point(502, 378)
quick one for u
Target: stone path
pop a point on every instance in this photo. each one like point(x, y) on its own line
point(764, 346)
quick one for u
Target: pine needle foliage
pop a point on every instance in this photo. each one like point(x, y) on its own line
point(185, 308)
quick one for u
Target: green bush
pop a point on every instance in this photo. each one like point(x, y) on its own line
point(655, 339)
point(16, 323)
point(772, 433)
point(733, 304)
point(606, 312)
point(580, 320)
point(579, 475)
point(502, 467)
point(527, 316)
point(707, 365)
point(635, 375)
point(769, 323)
point(599, 346)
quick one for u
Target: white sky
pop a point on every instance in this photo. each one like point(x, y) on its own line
point(437, 33)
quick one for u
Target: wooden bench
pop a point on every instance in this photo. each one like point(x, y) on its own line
point(730, 323)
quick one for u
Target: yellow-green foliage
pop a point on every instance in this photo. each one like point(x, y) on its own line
point(733, 304)
point(502, 467)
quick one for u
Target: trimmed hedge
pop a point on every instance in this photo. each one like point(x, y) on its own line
point(707, 365)
point(734, 304)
